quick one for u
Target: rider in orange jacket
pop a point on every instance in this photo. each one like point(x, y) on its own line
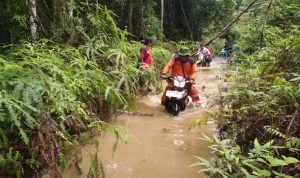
point(181, 64)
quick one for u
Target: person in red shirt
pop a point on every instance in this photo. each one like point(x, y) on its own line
point(209, 49)
point(182, 64)
point(209, 55)
point(145, 54)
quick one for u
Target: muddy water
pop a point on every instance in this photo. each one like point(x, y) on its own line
point(162, 146)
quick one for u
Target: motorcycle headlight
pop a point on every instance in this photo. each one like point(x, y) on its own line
point(176, 83)
point(182, 84)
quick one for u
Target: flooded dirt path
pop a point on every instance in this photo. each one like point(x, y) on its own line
point(163, 146)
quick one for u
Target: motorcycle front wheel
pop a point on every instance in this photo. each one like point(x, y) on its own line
point(173, 108)
point(183, 105)
point(199, 64)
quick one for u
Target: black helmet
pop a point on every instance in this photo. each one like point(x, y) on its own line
point(148, 41)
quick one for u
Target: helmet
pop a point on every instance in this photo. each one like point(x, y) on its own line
point(184, 51)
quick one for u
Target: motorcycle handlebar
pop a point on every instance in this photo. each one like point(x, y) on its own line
point(166, 77)
point(172, 78)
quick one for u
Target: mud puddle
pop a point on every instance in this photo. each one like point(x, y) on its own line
point(163, 146)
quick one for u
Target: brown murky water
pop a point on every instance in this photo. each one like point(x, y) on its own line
point(162, 146)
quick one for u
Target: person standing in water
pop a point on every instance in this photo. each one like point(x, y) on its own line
point(145, 55)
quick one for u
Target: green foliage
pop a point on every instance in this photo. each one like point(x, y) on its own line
point(48, 78)
point(151, 28)
point(63, 160)
point(259, 91)
point(34, 160)
point(261, 161)
point(161, 57)
point(96, 169)
point(56, 93)
point(14, 21)
point(59, 20)
point(207, 16)
point(285, 14)
point(251, 33)
point(102, 25)
point(10, 163)
point(262, 102)
point(77, 88)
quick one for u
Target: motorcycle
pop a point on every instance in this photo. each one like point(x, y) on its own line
point(177, 96)
point(224, 53)
point(204, 62)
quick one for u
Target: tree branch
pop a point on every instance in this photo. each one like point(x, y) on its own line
point(231, 23)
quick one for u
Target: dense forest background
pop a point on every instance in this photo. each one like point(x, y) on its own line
point(169, 19)
point(66, 66)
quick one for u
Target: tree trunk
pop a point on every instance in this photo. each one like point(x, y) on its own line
point(70, 7)
point(264, 25)
point(33, 18)
point(71, 10)
point(231, 23)
point(130, 12)
point(162, 8)
point(9, 29)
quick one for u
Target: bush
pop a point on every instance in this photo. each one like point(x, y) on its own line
point(151, 28)
point(261, 161)
point(262, 103)
point(51, 92)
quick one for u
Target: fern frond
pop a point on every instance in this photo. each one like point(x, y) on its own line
point(295, 142)
point(18, 110)
point(18, 87)
point(275, 132)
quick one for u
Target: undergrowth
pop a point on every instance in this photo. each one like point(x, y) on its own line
point(258, 117)
point(55, 96)
point(51, 94)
